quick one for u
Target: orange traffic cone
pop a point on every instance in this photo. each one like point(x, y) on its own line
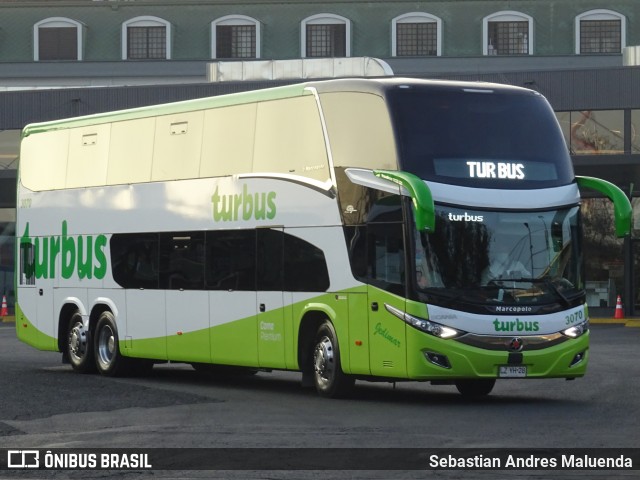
point(619, 313)
point(4, 311)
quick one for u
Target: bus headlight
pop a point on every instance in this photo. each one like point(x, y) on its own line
point(577, 330)
point(427, 326)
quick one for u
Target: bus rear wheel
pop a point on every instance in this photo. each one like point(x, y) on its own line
point(79, 345)
point(108, 359)
point(475, 388)
point(328, 377)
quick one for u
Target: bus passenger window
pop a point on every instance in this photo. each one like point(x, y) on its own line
point(231, 260)
point(356, 238)
point(134, 258)
point(269, 259)
point(305, 268)
point(182, 261)
point(385, 253)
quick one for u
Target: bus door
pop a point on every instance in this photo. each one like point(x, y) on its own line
point(270, 297)
point(44, 320)
point(36, 291)
point(230, 277)
point(182, 262)
point(136, 267)
point(386, 271)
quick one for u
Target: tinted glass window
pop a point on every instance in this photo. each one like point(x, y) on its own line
point(377, 255)
point(479, 137)
point(385, 208)
point(356, 238)
point(305, 268)
point(231, 260)
point(270, 259)
point(243, 260)
point(182, 261)
point(503, 258)
point(135, 260)
point(385, 255)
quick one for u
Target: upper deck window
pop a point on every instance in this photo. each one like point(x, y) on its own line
point(479, 137)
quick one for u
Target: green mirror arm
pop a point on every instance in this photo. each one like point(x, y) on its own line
point(423, 208)
point(621, 204)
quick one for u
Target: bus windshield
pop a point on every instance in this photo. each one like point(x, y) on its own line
point(479, 137)
point(497, 259)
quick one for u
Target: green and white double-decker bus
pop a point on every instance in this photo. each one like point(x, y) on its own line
point(377, 229)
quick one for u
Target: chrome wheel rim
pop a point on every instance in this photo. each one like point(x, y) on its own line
point(324, 362)
point(106, 347)
point(77, 342)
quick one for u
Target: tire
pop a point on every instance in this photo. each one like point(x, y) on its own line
point(328, 377)
point(108, 359)
point(79, 345)
point(475, 388)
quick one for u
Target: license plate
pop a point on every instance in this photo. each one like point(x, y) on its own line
point(512, 371)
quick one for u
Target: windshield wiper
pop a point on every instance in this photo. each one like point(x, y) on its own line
point(549, 283)
point(545, 281)
point(445, 296)
point(504, 283)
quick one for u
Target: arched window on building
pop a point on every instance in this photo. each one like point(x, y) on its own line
point(235, 36)
point(325, 35)
point(600, 31)
point(507, 33)
point(146, 38)
point(416, 34)
point(57, 38)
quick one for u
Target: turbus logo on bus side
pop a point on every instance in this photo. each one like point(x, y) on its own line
point(244, 206)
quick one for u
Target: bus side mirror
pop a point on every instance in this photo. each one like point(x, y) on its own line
point(621, 204)
point(424, 210)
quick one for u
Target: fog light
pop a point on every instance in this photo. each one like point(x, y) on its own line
point(438, 359)
point(577, 359)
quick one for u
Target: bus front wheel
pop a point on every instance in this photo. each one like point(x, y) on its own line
point(79, 345)
point(328, 377)
point(475, 388)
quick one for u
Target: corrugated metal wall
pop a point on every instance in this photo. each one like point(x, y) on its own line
point(19, 108)
point(588, 89)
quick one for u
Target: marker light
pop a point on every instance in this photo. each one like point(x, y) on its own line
point(577, 330)
point(427, 326)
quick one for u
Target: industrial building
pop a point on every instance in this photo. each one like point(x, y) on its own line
point(64, 58)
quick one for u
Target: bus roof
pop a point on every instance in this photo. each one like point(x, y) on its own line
point(375, 86)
